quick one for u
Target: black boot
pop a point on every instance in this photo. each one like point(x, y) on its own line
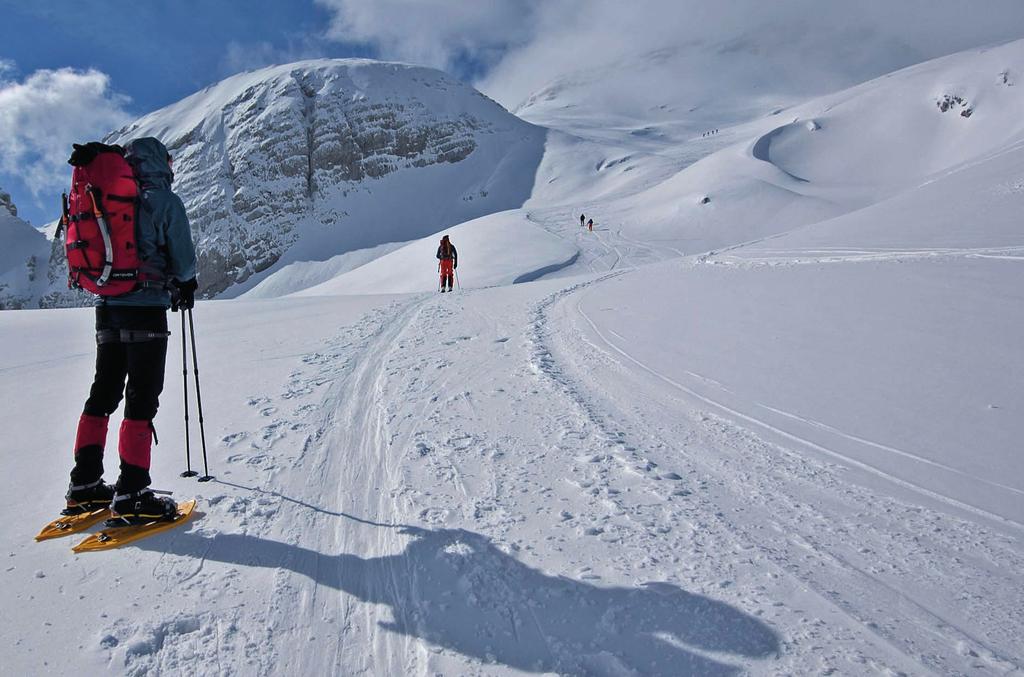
point(140, 507)
point(82, 498)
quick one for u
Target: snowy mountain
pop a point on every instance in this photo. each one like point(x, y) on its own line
point(764, 418)
point(839, 153)
point(313, 159)
point(801, 165)
point(23, 259)
point(701, 68)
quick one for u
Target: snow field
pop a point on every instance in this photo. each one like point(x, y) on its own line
point(482, 482)
point(796, 453)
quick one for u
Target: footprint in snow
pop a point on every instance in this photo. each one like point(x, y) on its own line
point(233, 439)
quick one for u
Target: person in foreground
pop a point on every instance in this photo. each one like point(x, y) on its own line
point(131, 342)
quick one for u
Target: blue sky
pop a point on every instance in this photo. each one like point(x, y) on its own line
point(161, 52)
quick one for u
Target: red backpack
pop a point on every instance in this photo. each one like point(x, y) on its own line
point(99, 221)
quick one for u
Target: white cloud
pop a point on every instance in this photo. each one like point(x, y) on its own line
point(247, 56)
point(434, 32)
point(815, 45)
point(818, 44)
point(43, 115)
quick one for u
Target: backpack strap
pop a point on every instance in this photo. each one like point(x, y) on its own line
point(65, 216)
point(129, 335)
point(121, 198)
point(101, 218)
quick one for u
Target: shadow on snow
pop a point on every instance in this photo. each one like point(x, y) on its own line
point(457, 590)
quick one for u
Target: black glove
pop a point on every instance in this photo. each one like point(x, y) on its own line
point(183, 294)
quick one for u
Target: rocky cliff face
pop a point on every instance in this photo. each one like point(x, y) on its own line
point(6, 206)
point(340, 153)
point(23, 259)
point(310, 160)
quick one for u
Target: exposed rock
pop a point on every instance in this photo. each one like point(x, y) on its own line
point(332, 154)
point(6, 204)
point(948, 102)
point(279, 147)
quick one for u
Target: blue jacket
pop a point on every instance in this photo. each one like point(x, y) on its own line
point(162, 232)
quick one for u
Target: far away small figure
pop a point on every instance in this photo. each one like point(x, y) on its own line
point(449, 261)
point(590, 225)
point(582, 220)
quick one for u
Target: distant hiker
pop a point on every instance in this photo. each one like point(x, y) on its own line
point(582, 218)
point(109, 186)
point(449, 262)
point(590, 225)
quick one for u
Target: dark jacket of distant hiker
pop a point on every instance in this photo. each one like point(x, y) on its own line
point(449, 258)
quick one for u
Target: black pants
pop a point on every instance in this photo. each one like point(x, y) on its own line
point(141, 364)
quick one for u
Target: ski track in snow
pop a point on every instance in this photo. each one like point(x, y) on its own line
point(486, 483)
point(855, 549)
point(417, 477)
point(261, 531)
point(771, 257)
point(768, 427)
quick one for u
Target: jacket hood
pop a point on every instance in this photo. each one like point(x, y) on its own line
point(148, 157)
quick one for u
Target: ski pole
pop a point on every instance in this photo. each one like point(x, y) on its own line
point(457, 283)
point(199, 397)
point(189, 472)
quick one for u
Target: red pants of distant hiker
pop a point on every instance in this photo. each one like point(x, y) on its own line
point(447, 272)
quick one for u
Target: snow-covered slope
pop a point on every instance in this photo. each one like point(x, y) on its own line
point(836, 154)
point(313, 159)
point(502, 249)
point(701, 68)
point(804, 165)
point(654, 99)
point(795, 454)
